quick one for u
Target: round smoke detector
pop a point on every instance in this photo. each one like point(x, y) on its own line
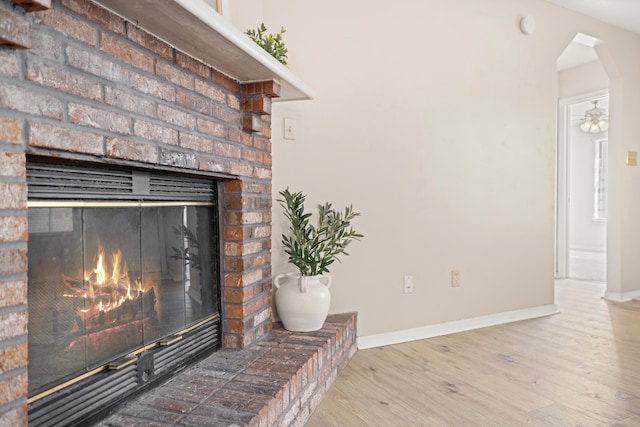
point(528, 25)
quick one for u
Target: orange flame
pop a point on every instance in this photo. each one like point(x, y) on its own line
point(101, 276)
point(109, 286)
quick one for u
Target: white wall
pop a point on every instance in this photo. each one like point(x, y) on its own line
point(244, 14)
point(437, 120)
point(587, 78)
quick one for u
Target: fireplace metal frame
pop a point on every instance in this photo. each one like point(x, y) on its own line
point(90, 396)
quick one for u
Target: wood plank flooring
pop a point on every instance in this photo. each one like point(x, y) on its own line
point(580, 367)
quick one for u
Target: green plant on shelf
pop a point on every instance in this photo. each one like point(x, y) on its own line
point(271, 42)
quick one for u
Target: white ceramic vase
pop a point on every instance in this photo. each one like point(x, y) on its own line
point(302, 302)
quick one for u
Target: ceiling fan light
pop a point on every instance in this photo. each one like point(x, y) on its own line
point(595, 120)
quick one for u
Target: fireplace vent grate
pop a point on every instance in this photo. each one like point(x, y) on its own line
point(166, 358)
point(177, 188)
point(61, 181)
point(85, 400)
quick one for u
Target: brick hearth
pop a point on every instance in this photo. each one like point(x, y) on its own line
point(80, 84)
point(278, 381)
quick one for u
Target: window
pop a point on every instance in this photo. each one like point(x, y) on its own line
point(600, 181)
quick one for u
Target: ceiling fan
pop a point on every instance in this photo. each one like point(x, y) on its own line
point(594, 120)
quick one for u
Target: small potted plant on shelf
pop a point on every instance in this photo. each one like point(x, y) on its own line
point(303, 298)
point(271, 42)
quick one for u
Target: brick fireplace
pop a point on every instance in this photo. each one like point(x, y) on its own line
point(80, 84)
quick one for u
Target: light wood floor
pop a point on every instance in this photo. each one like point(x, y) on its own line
point(577, 368)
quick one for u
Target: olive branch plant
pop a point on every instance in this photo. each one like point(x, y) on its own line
point(312, 249)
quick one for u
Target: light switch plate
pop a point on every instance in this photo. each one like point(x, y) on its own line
point(632, 158)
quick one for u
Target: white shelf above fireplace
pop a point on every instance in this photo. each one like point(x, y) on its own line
point(195, 28)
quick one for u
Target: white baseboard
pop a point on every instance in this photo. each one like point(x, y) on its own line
point(397, 337)
point(622, 296)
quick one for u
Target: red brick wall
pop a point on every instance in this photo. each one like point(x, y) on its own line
point(95, 88)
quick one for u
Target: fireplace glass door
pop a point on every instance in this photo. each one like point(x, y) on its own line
point(109, 279)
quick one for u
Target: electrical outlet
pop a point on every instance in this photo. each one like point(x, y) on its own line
point(290, 128)
point(455, 278)
point(408, 284)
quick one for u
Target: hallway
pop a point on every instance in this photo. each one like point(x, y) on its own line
point(588, 266)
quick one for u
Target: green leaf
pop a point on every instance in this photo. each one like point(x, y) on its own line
point(312, 249)
point(272, 43)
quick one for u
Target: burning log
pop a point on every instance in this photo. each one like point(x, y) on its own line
point(140, 308)
point(109, 297)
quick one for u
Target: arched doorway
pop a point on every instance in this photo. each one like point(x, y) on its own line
point(608, 69)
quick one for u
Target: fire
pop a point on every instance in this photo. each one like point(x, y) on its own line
point(99, 270)
point(105, 296)
point(107, 284)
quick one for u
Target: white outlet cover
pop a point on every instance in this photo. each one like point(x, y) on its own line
point(290, 128)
